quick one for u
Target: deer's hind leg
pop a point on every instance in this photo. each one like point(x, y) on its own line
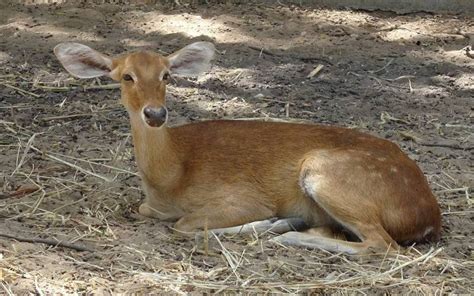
point(316, 238)
point(337, 187)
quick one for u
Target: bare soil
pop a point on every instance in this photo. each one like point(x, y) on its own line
point(67, 169)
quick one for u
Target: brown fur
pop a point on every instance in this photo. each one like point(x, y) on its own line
point(260, 167)
point(218, 174)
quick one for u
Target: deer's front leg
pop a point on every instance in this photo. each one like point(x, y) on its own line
point(158, 208)
point(272, 225)
point(147, 210)
point(221, 216)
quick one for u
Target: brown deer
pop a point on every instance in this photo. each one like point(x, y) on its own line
point(224, 173)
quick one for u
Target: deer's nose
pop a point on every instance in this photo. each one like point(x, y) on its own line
point(155, 117)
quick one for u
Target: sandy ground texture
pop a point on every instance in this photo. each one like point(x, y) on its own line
point(67, 170)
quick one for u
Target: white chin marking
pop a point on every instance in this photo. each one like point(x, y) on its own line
point(142, 116)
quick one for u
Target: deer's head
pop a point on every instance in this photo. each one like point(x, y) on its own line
point(143, 75)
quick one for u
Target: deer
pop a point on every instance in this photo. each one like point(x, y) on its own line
point(353, 193)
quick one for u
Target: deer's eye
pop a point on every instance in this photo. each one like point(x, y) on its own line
point(166, 76)
point(127, 77)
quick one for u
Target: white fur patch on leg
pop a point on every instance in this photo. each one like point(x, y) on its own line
point(310, 183)
point(294, 238)
point(270, 225)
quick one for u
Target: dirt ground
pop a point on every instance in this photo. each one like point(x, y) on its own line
point(67, 170)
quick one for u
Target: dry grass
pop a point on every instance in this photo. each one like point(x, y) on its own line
point(245, 263)
point(68, 181)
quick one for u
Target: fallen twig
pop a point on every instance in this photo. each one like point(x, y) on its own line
point(66, 116)
point(386, 117)
point(104, 86)
point(83, 87)
point(25, 153)
point(409, 136)
point(20, 90)
point(21, 191)
point(304, 59)
point(315, 71)
point(383, 68)
point(55, 88)
point(85, 171)
point(462, 33)
point(50, 242)
point(399, 78)
point(456, 147)
point(431, 253)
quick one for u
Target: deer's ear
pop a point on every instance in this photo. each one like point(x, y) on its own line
point(82, 61)
point(192, 59)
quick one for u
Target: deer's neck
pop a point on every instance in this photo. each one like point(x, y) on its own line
point(156, 154)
